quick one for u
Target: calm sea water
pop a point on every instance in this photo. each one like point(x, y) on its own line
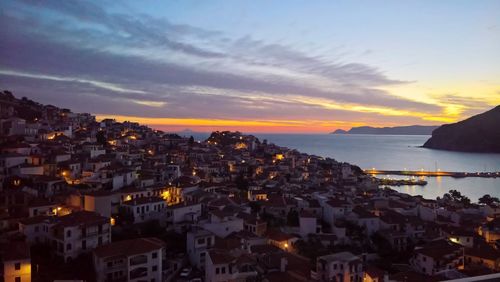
point(397, 152)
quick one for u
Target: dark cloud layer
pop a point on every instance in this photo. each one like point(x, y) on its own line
point(43, 46)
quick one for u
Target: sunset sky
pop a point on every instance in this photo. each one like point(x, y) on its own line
point(256, 66)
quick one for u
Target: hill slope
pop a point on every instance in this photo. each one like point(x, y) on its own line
point(398, 130)
point(480, 133)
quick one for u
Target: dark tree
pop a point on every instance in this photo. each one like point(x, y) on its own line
point(241, 182)
point(255, 207)
point(101, 138)
point(292, 218)
point(191, 141)
point(456, 197)
point(489, 200)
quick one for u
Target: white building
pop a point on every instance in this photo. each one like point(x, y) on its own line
point(221, 266)
point(222, 224)
point(342, 267)
point(437, 257)
point(146, 208)
point(335, 209)
point(198, 241)
point(308, 224)
point(16, 262)
point(184, 212)
point(69, 235)
point(363, 218)
point(130, 260)
point(100, 202)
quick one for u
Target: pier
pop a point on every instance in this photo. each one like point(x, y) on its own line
point(432, 173)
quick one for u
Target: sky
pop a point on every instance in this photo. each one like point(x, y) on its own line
point(256, 66)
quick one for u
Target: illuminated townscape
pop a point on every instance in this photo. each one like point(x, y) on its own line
point(101, 200)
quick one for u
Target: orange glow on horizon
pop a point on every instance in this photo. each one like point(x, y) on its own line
point(263, 126)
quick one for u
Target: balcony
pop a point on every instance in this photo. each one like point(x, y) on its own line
point(138, 273)
point(315, 275)
point(138, 260)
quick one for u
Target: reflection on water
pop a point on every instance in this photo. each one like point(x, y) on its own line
point(473, 187)
point(438, 179)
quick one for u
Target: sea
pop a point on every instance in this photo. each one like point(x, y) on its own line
point(397, 152)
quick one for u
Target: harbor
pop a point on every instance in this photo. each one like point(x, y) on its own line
point(437, 173)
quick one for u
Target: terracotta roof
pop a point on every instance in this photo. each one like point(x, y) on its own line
point(220, 257)
point(264, 249)
point(129, 247)
point(363, 213)
point(34, 220)
point(143, 201)
point(277, 235)
point(438, 249)
point(81, 218)
point(412, 276)
point(15, 251)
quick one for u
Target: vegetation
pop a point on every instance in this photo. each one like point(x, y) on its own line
point(292, 218)
point(489, 200)
point(454, 196)
point(101, 138)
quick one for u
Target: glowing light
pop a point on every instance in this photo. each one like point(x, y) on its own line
point(112, 221)
point(128, 198)
point(165, 195)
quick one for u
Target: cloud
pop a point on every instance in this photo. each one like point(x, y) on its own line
point(100, 84)
point(180, 70)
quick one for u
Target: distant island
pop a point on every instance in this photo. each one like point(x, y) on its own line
point(480, 133)
point(397, 130)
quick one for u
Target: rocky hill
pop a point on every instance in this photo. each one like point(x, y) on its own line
point(397, 130)
point(480, 133)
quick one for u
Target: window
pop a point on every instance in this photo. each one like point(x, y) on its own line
point(216, 270)
point(68, 247)
point(334, 266)
point(17, 279)
point(223, 269)
point(155, 255)
point(36, 228)
point(155, 267)
point(68, 233)
point(17, 266)
point(110, 263)
point(84, 245)
point(201, 241)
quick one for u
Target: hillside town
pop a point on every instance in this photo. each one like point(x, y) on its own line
point(89, 200)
